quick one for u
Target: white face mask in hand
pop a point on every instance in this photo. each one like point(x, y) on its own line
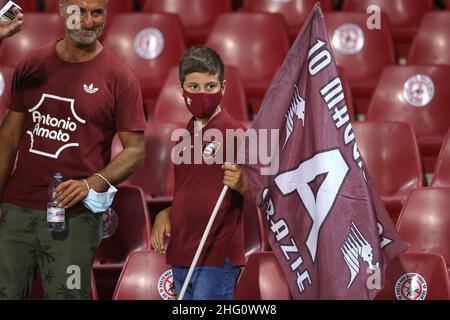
point(99, 202)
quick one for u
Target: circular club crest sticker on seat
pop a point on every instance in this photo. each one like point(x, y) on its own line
point(149, 43)
point(110, 223)
point(411, 286)
point(166, 286)
point(348, 39)
point(419, 90)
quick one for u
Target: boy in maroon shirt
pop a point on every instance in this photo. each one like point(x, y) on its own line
point(198, 186)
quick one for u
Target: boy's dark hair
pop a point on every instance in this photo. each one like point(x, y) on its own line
point(203, 60)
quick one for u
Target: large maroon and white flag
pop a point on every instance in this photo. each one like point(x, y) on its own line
point(328, 228)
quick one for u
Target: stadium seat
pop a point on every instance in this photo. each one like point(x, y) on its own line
point(425, 221)
point(256, 43)
point(419, 95)
point(254, 229)
point(151, 43)
point(26, 5)
point(197, 16)
point(363, 53)
point(416, 276)
point(392, 159)
point(6, 76)
point(145, 276)
point(37, 292)
point(156, 176)
point(262, 279)
point(39, 29)
point(294, 12)
point(94, 292)
point(404, 15)
point(130, 216)
point(442, 173)
point(432, 42)
point(133, 227)
point(170, 105)
point(51, 6)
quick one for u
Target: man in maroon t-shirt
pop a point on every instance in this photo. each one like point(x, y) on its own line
point(68, 101)
point(198, 185)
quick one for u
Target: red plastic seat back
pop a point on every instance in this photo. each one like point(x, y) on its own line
point(170, 106)
point(197, 16)
point(404, 94)
point(416, 276)
point(145, 276)
point(38, 30)
point(132, 224)
point(256, 43)
point(295, 12)
point(254, 229)
point(391, 155)
point(262, 279)
point(442, 174)
point(432, 42)
point(362, 52)
point(403, 14)
point(151, 43)
point(156, 176)
point(51, 6)
point(425, 221)
point(193, 13)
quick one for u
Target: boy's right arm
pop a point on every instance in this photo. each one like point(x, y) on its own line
point(10, 137)
point(161, 230)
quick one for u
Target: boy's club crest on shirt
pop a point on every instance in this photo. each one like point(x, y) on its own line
point(210, 149)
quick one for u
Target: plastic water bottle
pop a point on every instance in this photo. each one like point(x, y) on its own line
point(55, 216)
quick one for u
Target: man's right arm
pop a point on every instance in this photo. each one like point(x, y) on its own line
point(10, 137)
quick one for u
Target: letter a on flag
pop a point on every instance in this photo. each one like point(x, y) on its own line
point(327, 227)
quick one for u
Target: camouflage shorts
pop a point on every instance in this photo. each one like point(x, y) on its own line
point(27, 246)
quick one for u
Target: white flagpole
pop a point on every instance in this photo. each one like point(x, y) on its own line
point(202, 242)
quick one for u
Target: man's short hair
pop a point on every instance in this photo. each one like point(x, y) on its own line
point(202, 60)
point(64, 2)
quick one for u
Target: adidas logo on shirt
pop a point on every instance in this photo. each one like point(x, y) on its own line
point(90, 89)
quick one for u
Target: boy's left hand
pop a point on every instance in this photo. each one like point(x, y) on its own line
point(234, 179)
